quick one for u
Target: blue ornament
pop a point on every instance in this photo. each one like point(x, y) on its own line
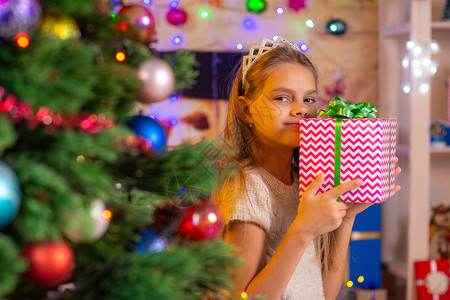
point(9, 194)
point(151, 130)
point(151, 242)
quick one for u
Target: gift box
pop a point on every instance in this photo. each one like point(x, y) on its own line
point(432, 279)
point(344, 148)
point(377, 294)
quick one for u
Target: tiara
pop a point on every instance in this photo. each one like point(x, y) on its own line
point(257, 51)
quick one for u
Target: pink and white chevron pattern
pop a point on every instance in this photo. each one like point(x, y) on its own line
point(365, 148)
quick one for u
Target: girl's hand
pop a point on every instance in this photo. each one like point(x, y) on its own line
point(355, 208)
point(319, 214)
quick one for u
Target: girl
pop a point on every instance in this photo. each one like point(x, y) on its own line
point(291, 249)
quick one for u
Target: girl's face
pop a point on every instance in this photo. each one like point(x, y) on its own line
point(288, 95)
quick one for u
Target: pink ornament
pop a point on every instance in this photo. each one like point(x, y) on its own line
point(176, 16)
point(296, 4)
point(202, 221)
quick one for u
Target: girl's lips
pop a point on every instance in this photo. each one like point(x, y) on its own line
point(293, 124)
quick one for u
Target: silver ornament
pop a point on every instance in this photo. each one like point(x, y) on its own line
point(19, 16)
point(158, 80)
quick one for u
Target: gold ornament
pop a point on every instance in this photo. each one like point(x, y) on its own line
point(60, 25)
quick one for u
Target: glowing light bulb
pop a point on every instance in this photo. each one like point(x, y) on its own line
point(120, 56)
point(280, 10)
point(303, 47)
point(360, 278)
point(107, 214)
point(409, 45)
point(349, 283)
point(417, 50)
point(406, 89)
point(424, 88)
point(22, 40)
point(204, 14)
point(240, 46)
point(405, 62)
point(310, 24)
point(434, 47)
point(177, 40)
point(275, 37)
point(173, 4)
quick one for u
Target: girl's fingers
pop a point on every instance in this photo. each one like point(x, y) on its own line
point(396, 159)
point(345, 187)
point(398, 170)
point(397, 188)
point(314, 186)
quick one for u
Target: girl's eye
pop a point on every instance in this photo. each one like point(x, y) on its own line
point(283, 99)
point(310, 100)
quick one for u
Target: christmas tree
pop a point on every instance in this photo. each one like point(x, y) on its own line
point(92, 205)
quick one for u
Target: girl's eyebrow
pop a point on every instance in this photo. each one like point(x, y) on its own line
point(288, 90)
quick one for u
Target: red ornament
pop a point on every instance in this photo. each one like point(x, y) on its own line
point(176, 16)
point(141, 19)
point(50, 263)
point(296, 5)
point(202, 221)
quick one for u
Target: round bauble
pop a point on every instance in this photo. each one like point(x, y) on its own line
point(158, 80)
point(176, 16)
point(151, 130)
point(152, 242)
point(59, 25)
point(49, 263)
point(141, 21)
point(19, 17)
point(202, 221)
point(87, 224)
point(9, 194)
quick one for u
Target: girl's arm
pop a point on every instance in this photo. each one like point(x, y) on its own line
point(271, 280)
point(317, 214)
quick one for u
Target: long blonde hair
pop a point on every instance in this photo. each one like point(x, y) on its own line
point(249, 150)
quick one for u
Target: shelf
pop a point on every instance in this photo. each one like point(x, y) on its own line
point(403, 150)
point(404, 29)
point(440, 25)
point(440, 150)
point(398, 30)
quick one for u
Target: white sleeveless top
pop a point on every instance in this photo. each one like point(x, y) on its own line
point(273, 205)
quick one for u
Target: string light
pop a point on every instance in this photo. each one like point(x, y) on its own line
point(349, 283)
point(22, 40)
point(406, 89)
point(274, 37)
point(240, 46)
point(303, 47)
point(309, 23)
point(177, 40)
point(106, 214)
point(204, 14)
point(173, 4)
point(120, 56)
point(418, 66)
point(280, 10)
point(249, 23)
point(360, 278)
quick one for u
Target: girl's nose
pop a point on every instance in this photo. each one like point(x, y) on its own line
point(299, 110)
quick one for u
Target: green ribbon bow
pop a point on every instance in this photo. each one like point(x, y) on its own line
point(345, 110)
